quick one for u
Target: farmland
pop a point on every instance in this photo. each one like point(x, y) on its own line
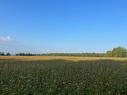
point(68, 58)
point(49, 75)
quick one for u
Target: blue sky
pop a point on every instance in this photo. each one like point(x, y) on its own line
point(62, 25)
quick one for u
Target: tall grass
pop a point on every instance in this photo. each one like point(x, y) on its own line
point(59, 77)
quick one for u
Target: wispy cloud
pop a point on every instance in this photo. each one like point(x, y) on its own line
point(5, 39)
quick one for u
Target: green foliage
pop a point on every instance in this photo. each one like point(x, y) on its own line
point(25, 54)
point(5, 54)
point(117, 52)
point(76, 54)
point(8, 54)
point(58, 77)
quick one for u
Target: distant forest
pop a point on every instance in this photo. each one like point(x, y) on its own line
point(115, 52)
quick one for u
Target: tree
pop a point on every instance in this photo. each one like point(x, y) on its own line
point(109, 54)
point(2, 54)
point(117, 52)
point(8, 54)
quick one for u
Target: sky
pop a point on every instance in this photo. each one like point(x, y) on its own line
point(41, 26)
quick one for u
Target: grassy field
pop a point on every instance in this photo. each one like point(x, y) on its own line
point(49, 75)
point(69, 58)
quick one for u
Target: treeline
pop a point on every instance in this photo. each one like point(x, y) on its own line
point(115, 52)
point(25, 54)
point(5, 54)
point(76, 54)
point(57, 54)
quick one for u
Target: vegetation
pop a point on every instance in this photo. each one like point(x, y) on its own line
point(25, 54)
point(5, 54)
point(115, 52)
point(2, 53)
point(58, 77)
point(76, 54)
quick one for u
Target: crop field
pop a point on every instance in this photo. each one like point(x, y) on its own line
point(62, 76)
point(68, 58)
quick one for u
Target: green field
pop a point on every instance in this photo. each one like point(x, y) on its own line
point(59, 77)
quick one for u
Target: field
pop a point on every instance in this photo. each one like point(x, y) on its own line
point(68, 58)
point(49, 75)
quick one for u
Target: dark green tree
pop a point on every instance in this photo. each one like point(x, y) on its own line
point(8, 54)
point(2, 54)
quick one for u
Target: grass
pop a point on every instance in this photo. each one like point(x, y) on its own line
point(68, 58)
point(60, 77)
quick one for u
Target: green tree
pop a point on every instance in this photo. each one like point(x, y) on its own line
point(117, 52)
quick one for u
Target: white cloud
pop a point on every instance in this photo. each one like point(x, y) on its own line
point(5, 39)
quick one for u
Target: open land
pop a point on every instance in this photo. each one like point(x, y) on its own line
point(69, 58)
point(62, 75)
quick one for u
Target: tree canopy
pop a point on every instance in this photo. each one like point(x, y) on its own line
point(117, 52)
